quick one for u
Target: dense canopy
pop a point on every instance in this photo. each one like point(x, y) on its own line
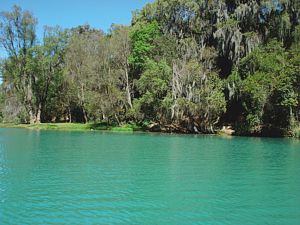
point(182, 65)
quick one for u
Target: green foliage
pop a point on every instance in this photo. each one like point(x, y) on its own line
point(155, 79)
point(230, 23)
point(186, 65)
point(296, 133)
point(267, 90)
point(153, 87)
point(142, 38)
point(211, 103)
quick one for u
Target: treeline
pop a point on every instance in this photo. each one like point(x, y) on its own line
point(184, 65)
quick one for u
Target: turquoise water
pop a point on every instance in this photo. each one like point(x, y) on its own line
point(53, 177)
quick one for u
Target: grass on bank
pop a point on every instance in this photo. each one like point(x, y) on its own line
point(105, 127)
point(76, 126)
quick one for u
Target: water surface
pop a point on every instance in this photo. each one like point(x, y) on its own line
point(55, 177)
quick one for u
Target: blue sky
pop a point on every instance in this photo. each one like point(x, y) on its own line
point(70, 13)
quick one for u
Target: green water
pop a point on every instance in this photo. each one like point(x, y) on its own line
point(51, 177)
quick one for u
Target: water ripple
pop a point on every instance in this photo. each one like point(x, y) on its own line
point(52, 177)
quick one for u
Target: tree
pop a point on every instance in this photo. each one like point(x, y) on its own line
point(266, 90)
point(185, 65)
point(17, 36)
point(80, 61)
point(153, 86)
point(45, 65)
point(121, 49)
point(143, 36)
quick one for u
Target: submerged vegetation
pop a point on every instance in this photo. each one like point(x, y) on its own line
point(181, 66)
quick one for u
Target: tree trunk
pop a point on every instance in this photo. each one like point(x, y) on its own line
point(84, 115)
point(70, 115)
point(31, 116)
point(82, 104)
point(129, 101)
point(38, 114)
point(28, 101)
point(118, 121)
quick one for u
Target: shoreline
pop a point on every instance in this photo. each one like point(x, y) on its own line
point(225, 131)
point(75, 127)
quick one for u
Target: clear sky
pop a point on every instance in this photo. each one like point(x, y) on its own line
point(70, 13)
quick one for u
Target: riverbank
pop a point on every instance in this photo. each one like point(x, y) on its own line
point(76, 126)
point(225, 131)
point(105, 127)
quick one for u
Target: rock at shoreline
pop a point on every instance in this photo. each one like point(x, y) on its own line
point(227, 130)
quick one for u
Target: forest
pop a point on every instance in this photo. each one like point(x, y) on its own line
point(189, 66)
